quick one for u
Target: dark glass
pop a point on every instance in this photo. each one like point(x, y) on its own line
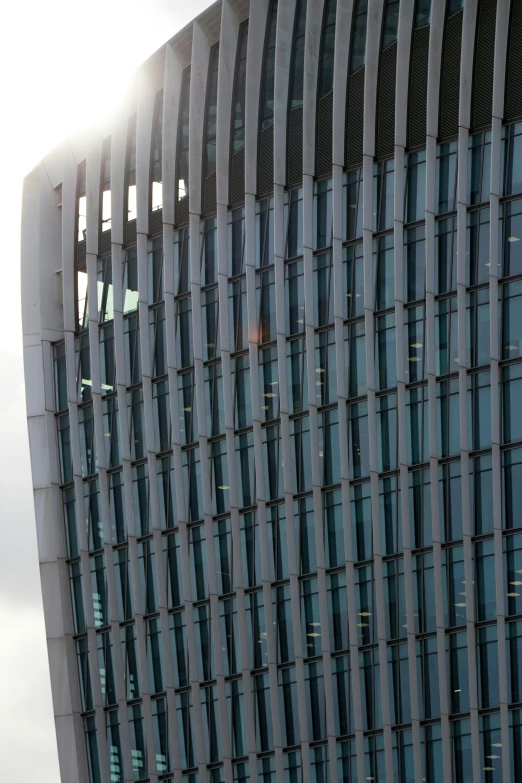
point(422, 13)
point(391, 23)
point(238, 110)
point(298, 54)
point(266, 113)
point(209, 160)
point(446, 255)
point(358, 50)
point(326, 64)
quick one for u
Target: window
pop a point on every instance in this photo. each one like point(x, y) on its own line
point(477, 247)
point(511, 320)
point(358, 49)
point(446, 182)
point(297, 375)
point(511, 235)
point(322, 214)
point(266, 113)
point(479, 167)
point(293, 217)
point(422, 13)
point(511, 396)
point(414, 348)
point(236, 241)
point(512, 158)
point(415, 186)
point(104, 287)
point(238, 110)
point(419, 498)
point(448, 425)
point(298, 55)
point(156, 153)
point(355, 359)
point(484, 579)
point(358, 438)
point(352, 204)
point(182, 175)
point(446, 333)
point(383, 263)
point(511, 488)
point(457, 647)
point(446, 254)
point(361, 522)
point(391, 23)
point(353, 281)
point(383, 181)
point(479, 410)
point(326, 63)
point(415, 264)
point(294, 297)
point(209, 160)
point(325, 368)
point(265, 232)
point(487, 655)
point(385, 354)
point(390, 515)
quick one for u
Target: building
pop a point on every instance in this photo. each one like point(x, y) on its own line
point(273, 339)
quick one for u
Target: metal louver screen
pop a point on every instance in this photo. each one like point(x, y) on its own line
point(323, 147)
point(237, 177)
point(130, 233)
point(209, 194)
point(450, 77)
point(182, 212)
point(294, 149)
point(355, 119)
point(418, 87)
point(81, 255)
point(482, 95)
point(514, 64)
point(156, 222)
point(265, 171)
point(105, 242)
point(386, 101)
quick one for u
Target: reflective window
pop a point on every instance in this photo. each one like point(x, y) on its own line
point(414, 264)
point(487, 657)
point(511, 396)
point(288, 706)
point(422, 12)
point(182, 174)
point(513, 569)
point(387, 443)
point(390, 515)
point(322, 215)
point(140, 492)
point(353, 281)
point(481, 494)
point(105, 291)
point(323, 290)
point(265, 232)
point(305, 535)
point(358, 440)
point(511, 320)
point(477, 247)
point(358, 49)
point(479, 410)
point(514, 661)
point(419, 499)
point(484, 579)
point(415, 186)
point(132, 350)
point(236, 241)
point(294, 297)
point(446, 254)
point(352, 204)
point(297, 376)
point(446, 177)
point(238, 117)
point(355, 358)
point(384, 269)
point(181, 261)
point(326, 64)
point(250, 545)
point(462, 753)
point(156, 153)
point(479, 167)
point(369, 673)
point(209, 261)
point(428, 674)
point(209, 161)
point(192, 484)
point(395, 603)
point(414, 344)
point(266, 113)
point(361, 522)
point(512, 158)
point(446, 334)
point(478, 350)
point(298, 55)
point(293, 216)
point(301, 454)
point(448, 421)
point(383, 181)
point(385, 353)
point(325, 368)
point(510, 236)
point(390, 23)
point(457, 647)
point(273, 460)
point(424, 593)
point(511, 487)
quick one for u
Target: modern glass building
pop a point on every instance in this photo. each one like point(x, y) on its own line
point(273, 345)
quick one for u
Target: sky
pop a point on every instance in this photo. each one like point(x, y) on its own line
point(60, 63)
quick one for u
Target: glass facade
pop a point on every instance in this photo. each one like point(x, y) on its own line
point(288, 437)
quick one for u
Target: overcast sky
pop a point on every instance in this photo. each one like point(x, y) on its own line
point(60, 61)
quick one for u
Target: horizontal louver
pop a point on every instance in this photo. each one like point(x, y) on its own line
point(482, 95)
point(450, 77)
point(355, 119)
point(418, 87)
point(514, 64)
point(294, 151)
point(209, 194)
point(386, 101)
point(323, 147)
point(265, 179)
point(237, 177)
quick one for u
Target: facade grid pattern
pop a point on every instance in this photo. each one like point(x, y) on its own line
point(277, 447)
